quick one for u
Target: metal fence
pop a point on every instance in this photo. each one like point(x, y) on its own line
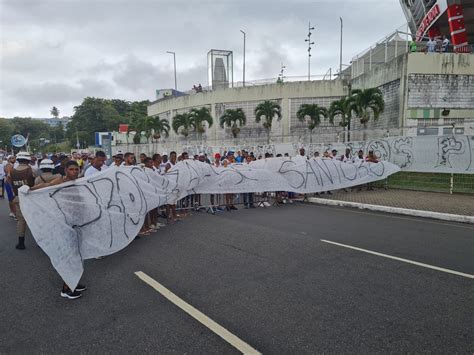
point(392, 46)
point(432, 182)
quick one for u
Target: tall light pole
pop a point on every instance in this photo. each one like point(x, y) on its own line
point(243, 79)
point(309, 49)
point(174, 60)
point(340, 51)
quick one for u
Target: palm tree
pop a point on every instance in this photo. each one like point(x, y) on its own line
point(367, 103)
point(147, 124)
point(199, 116)
point(54, 112)
point(182, 123)
point(233, 119)
point(342, 107)
point(314, 113)
point(159, 126)
point(267, 111)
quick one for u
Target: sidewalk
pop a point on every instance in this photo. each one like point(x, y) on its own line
point(430, 204)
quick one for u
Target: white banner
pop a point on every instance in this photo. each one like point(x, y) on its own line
point(426, 154)
point(102, 214)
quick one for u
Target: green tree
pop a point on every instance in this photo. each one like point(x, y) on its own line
point(233, 119)
point(121, 106)
point(93, 115)
point(199, 116)
point(367, 103)
point(313, 113)
point(266, 112)
point(30, 127)
point(7, 130)
point(182, 123)
point(54, 112)
point(160, 127)
point(343, 108)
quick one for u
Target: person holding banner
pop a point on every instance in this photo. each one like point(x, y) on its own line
point(71, 171)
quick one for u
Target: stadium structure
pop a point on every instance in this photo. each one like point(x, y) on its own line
point(434, 18)
point(424, 93)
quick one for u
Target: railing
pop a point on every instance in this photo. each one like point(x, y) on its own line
point(392, 46)
point(248, 83)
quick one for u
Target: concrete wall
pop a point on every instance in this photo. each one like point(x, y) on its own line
point(416, 88)
point(389, 78)
point(440, 93)
point(247, 98)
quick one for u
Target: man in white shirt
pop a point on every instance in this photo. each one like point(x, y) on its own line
point(98, 164)
point(431, 45)
point(445, 44)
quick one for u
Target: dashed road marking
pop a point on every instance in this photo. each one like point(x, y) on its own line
point(469, 276)
point(199, 316)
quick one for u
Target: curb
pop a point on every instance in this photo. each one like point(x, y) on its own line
point(397, 210)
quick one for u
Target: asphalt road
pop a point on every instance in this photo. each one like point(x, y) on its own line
point(264, 275)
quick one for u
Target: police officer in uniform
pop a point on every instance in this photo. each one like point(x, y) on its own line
point(19, 176)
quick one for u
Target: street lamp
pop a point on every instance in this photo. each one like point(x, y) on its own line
point(243, 79)
point(174, 60)
point(340, 51)
point(309, 49)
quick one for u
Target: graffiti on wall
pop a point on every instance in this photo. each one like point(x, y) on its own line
point(435, 154)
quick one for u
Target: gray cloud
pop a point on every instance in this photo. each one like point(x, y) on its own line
point(58, 52)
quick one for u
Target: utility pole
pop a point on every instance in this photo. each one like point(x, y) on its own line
point(340, 51)
point(309, 49)
point(243, 79)
point(174, 60)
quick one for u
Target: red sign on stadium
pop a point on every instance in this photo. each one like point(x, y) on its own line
point(429, 19)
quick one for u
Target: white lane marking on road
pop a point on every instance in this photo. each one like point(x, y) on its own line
point(389, 215)
point(469, 276)
point(199, 316)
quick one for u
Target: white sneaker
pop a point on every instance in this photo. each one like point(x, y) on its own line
point(154, 227)
point(12, 215)
point(160, 225)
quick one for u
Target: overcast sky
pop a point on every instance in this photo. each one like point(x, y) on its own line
point(56, 52)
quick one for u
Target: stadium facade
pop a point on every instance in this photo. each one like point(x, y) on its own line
point(425, 94)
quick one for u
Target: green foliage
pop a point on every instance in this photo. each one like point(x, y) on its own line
point(102, 115)
point(199, 116)
point(234, 119)
point(195, 119)
point(367, 103)
point(182, 123)
point(150, 126)
point(31, 127)
point(7, 129)
point(342, 107)
point(313, 113)
point(266, 112)
point(54, 112)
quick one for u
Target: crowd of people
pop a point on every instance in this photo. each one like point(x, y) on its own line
point(48, 170)
point(433, 45)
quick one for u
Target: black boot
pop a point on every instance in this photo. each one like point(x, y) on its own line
point(21, 243)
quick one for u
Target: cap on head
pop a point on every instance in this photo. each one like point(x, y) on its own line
point(164, 153)
point(46, 164)
point(23, 156)
point(217, 156)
